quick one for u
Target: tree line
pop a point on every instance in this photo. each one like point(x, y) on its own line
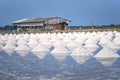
point(95, 26)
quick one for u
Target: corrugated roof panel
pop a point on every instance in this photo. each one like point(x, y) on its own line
point(51, 20)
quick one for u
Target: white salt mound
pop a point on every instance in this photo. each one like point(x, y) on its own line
point(32, 43)
point(40, 51)
point(91, 47)
point(53, 39)
point(58, 43)
point(114, 46)
point(22, 41)
point(9, 48)
point(81, 51)
point(40, 48)
point(107, 52)
point(117, 41)
point(10, 42)
point(60, 52)
point(60, 49)
point(72, 45)
point(47, 43)
point(22, 49)
point(1, 41)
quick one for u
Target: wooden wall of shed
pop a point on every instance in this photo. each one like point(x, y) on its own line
point(59, 27)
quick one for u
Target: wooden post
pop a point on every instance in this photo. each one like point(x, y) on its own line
point(43, 25)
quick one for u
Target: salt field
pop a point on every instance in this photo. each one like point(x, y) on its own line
point(60, 56)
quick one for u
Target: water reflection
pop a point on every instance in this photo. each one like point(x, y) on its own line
point(60, 56)
point(80, 59)
point(31, 67)
point(41, 55)
point(107, 61)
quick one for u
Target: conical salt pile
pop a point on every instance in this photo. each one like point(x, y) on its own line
point(81, 51)
point(66, 40)
point(72, 45)
point(53, 39)
point(32, 43)
point(114, 46)
point(107, 52)
point(60, 49)
point(3, 38)
point(2, 41)
point(117, 33)
point(11, 41)
point(47, 43)
point(91, 47)
point(9, 48)
point(117, 40)
point(41, 51)
point(22, 49)
point(105, 40)
point(91, 39)
point(58, 43)
point(22, 41)
point(79, 40)
point(60, 52)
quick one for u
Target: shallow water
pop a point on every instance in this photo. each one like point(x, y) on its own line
point(30, 67)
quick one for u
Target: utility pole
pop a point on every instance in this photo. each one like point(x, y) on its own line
point(92, 26)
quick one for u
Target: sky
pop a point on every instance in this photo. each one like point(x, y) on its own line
point(80, 12)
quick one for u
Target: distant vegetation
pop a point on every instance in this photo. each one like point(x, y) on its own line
point(95, 27)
